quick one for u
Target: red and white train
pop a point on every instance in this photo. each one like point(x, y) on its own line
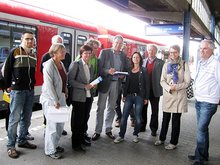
point(16, 17)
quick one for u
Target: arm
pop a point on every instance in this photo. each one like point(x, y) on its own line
point(8, 70)
point(73, 74)
point(163, 80)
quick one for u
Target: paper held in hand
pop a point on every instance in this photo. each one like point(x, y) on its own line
point(60, 115)
point(96, 81)
point(121, 73)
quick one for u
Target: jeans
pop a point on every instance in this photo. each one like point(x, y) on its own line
point(204, 111)
point(21, 111)
point(138, 102)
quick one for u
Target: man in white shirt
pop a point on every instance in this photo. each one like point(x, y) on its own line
point(207, 95)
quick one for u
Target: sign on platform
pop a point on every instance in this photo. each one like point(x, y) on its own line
point(164, 29)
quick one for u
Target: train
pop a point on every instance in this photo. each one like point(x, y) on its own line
point(16, 17)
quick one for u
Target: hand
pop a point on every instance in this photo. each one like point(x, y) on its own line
point(145, 102)
point(57, 105)
point(89, 86)
point(173, 87)
point(123, 99)
point(111, 71)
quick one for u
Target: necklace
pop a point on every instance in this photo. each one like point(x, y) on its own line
point(135, 70)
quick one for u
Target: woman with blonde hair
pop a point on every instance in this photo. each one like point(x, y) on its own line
point(54, 94)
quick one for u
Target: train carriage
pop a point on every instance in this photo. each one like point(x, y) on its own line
point(16, 17)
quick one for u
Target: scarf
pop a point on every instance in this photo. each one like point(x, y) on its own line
point(172, 68)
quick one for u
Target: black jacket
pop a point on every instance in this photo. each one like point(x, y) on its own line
point(144, 84)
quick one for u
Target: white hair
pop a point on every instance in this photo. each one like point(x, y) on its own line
point(55, 39)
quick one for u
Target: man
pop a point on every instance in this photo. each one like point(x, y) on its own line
point(154, 67)
point(207, 95)
point(110, 61)
point(19, 74)
point(66, 62)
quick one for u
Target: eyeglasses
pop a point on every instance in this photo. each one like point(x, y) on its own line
point(174, 52)
point(27, 39)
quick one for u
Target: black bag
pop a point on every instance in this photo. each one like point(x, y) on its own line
point(70, 94)
point(70, 89)
point(189, 90)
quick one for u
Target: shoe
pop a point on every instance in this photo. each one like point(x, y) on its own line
point(135, 140)
point(193, 158)
point(86, 143)
point(59, 149)
point(117, 123)
point(13, 153)
point(153, 133)
point(79, 149)
point(55, 155)
point(198, 163)
point(87, 138)
point(118, 140)
point(142, 129)
point(95, 136)
point(64, 133)
point(27, 145)
point(170, 147)
point(132, 123)
point(109, 134)
point(29, 137)
point(158, 142)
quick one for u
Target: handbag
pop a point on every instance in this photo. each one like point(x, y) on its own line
point(189, 90)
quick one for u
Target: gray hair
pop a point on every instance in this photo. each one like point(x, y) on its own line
point(152, 45)
point(210, 42)
point(91, 42)
point(118, 37)
point(55, 38)
point(176, 47)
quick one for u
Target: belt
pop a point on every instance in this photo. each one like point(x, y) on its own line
point(133, 94)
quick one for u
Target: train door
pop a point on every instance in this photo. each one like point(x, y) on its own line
point(80, 38)
point(68, 39)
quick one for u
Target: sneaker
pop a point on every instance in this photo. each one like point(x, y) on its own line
point(170, 147)
point(55, 155)
point(27, 145)
point(59, 149)
point(158, 142)
point(118, 140)
point(64, 133)
point(135, 140)
point(13, 153)
point(29, 137)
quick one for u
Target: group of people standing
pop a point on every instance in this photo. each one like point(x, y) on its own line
point(142, 81)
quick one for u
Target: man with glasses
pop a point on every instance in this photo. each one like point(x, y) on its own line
point(19, 74)
point(110, 61)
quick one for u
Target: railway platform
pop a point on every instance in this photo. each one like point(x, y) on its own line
point(105, 152)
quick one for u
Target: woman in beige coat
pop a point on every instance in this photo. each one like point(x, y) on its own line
point(175, 79)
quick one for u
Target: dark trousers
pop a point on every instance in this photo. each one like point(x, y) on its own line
point(79, 118)
point(154, 102)
point(175, 127)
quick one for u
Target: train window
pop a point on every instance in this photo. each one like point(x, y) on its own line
point(10, 36)
point(80, 42)
point(67, 40)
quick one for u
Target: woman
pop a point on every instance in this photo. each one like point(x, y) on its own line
point(79, 77)
point(54, 94)
point(175, 79)
point(135, 93)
